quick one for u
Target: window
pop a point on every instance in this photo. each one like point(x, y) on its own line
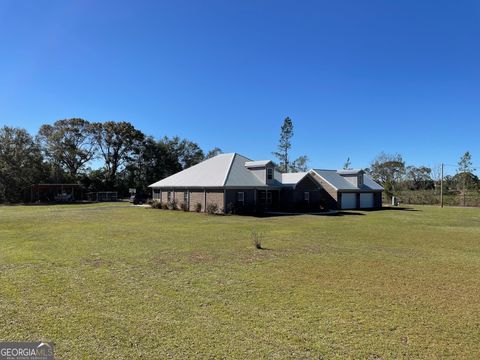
point(185, 197)
point(269, 198)
point(360, 180)
point(269, 174)
point(241, 197)
point(156, 194)
point(306, 195)
point(169, 196)
point(262, 197)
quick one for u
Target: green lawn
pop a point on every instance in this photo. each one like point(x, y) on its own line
point(122, 282)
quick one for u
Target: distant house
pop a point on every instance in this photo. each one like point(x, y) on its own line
point(238, 184)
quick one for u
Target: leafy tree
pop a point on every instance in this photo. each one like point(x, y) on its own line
point(347, 165)
point(187, 152)
point(21, 163)
point(419, 178)
point(68, 144)
point(300, 164)
point(467, 179)
point(155, 161)
point(93, 180)
point(214, 152)
point(119, 143)
point(388, 170)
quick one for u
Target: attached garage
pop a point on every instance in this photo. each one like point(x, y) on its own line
point(366, 200)
point(349, 201)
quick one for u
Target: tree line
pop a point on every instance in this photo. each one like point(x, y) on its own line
point(395, 175)
point(65, 151)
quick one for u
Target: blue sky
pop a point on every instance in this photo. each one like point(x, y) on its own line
point(356, 77)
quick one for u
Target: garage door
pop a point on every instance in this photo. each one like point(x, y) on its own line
point(366, 201)
point(349, 200)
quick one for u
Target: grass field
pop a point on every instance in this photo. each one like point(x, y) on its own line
point(122, 282)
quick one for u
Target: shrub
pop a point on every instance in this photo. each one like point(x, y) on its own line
point(256, 238)
point(184, 207)
point(156, 205)
point(164, 206)
point(172, 205)
point(198, 207)
point(231, 208)
point(212, 208)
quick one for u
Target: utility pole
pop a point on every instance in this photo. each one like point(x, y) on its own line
point(441, 188)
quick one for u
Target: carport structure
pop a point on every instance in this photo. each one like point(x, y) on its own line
point(53, 193)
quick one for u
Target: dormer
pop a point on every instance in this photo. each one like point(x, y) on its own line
point(354, 177)
point(262, 169)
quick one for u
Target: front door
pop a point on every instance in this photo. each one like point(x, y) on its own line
point(268, 198)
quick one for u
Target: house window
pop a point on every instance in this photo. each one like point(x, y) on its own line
point(169, 196)
point(269, 174)
point(360, 180)
point(185, 197)
point(306, 196)
point(241, 197)
point(262, 197)
point(269, 198)
point(156, 194)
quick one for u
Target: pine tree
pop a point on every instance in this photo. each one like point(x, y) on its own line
point(284, 144)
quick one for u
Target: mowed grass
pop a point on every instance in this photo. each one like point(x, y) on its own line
point(123, 282)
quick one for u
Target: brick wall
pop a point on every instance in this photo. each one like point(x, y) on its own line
point(164, 196)
point(216, 197)
point(197, 196)
point(179, 197)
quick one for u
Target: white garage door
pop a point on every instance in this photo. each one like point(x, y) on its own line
point(366, 201)
point(349, 200)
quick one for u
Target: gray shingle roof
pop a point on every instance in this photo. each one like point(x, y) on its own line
point(340, 183)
